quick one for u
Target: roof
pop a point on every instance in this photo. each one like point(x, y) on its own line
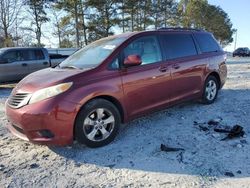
point(9, 48)
point(169, 29)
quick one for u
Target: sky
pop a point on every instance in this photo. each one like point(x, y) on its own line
point(239, 13)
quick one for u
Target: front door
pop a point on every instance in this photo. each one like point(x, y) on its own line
point(12, 66)
point(145, 86)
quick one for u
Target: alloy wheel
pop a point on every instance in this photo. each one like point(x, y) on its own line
point(99, 124)
point(211, 90)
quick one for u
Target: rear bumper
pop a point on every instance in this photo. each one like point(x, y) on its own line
point(44, 122)
point(223, 74)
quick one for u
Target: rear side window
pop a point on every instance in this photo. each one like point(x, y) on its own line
point(39, 54)
point(206, 42)
point(179, 45)
point(25, 54)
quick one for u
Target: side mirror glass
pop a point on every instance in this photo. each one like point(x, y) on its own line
point(133, 60)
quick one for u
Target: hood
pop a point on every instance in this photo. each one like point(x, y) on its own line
point(45, 78)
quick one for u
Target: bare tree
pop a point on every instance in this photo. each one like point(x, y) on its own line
point(9, 10)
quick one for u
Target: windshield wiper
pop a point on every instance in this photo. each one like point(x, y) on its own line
point(69, 67)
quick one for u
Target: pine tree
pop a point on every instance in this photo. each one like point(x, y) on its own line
point(103, 16)
point(39, 17)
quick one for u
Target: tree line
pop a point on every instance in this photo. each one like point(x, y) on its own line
point(75, 23)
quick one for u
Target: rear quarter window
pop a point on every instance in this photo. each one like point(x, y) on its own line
point(207, 42)
point(179, 45)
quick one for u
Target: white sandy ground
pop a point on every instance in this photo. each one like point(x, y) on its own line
point(134, 159)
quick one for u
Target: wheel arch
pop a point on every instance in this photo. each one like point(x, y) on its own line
point(114, 101)
point(216, 75)
point(109, 98)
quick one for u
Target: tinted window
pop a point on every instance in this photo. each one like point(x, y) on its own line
point(179, 45)
point(26, 56)
point(39, 54)
point(206, 42)
point(23, 55)
point(146, 47)
point(11, 56)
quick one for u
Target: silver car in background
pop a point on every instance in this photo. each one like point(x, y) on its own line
point(16, 63)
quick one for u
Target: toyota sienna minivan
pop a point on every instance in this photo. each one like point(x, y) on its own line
point(114, 80)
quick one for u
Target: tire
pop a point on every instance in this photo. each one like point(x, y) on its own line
point(210, 90)
point(97, 123)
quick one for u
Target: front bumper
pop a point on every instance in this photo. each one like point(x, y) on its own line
point(45, 122)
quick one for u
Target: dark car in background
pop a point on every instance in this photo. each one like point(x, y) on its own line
point(241, 52)
point(113, 81)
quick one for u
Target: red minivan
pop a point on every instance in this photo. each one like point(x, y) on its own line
point(113, 81)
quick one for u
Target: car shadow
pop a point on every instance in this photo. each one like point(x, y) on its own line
point(137, 147)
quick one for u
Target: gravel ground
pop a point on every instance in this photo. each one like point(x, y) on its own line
point(135, 158)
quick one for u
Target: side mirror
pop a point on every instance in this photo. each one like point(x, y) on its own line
point(132, 60)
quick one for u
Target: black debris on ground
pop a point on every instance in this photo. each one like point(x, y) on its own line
point(34, 165)
point(214, 121)
point(203, 128)
point(239, 172)
point(229, 174)
point(222, 129)
point(2, 167)
point(235, 132)
point(170, 149)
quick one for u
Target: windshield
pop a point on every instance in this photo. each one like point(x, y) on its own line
point(1, 51)
point(93, 54)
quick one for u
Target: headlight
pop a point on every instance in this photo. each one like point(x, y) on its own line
point(49, 92)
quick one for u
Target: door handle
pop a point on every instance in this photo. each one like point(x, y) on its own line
point(176, 66)
point(163, 69)
point(24, 64)
point(45, 63)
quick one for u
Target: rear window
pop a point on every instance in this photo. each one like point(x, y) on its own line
point(179, 45)
point(206, 42)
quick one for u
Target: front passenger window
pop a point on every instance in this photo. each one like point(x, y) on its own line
point(11, 56)
point(147, 48)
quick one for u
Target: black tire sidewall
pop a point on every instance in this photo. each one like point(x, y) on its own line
point(204, 98)
point(84, 112)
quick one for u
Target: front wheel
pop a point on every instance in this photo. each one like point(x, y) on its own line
point(210, 90)
point(97, 123)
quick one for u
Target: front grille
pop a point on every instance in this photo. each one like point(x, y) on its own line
point(18, 100)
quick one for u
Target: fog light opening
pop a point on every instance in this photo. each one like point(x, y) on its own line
point(46, 134)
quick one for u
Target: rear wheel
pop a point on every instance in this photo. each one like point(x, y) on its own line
point(210, 90)
point(97, 123)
